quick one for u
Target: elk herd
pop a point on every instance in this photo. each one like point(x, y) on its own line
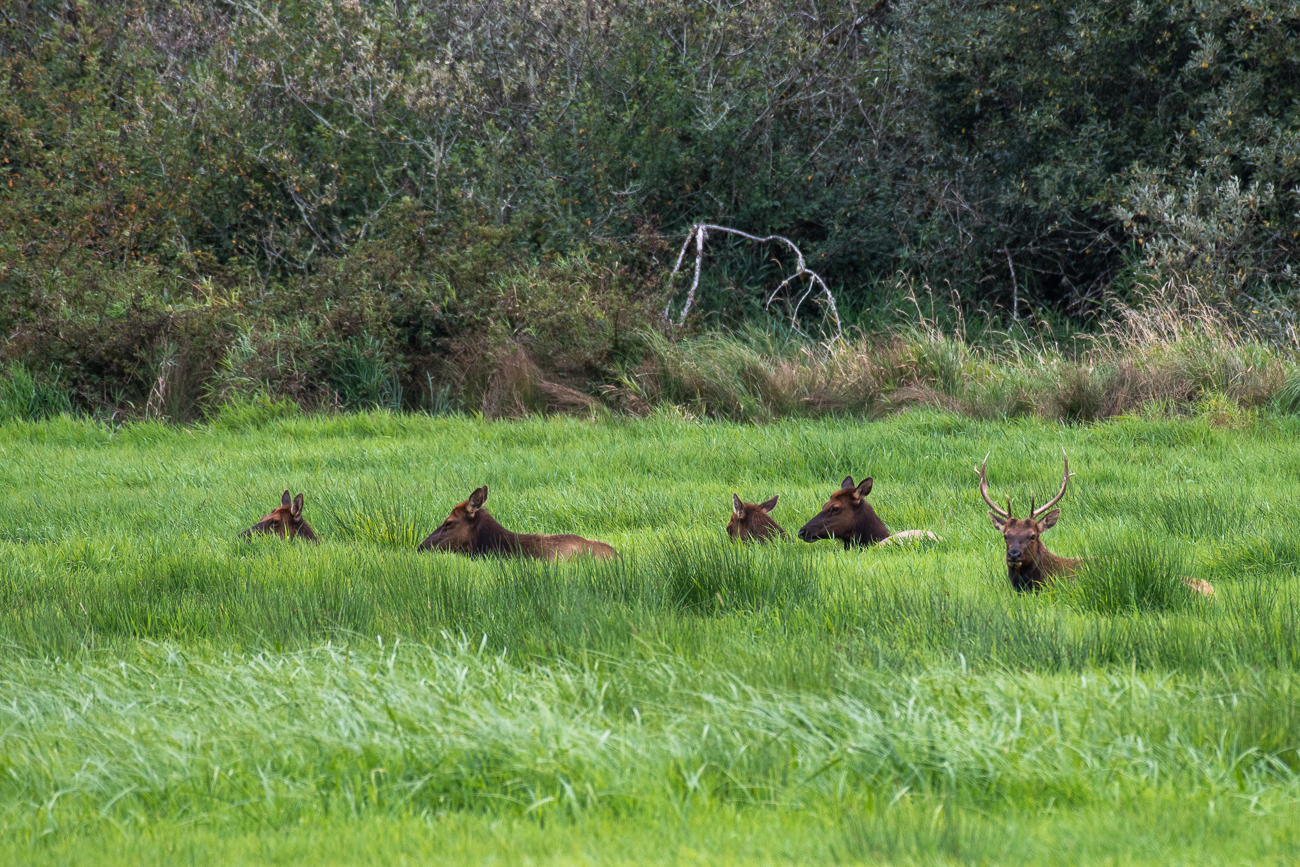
point(846, 516)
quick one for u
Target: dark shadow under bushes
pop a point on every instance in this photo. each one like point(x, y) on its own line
point(747, 376)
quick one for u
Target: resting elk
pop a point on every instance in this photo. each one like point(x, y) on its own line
point(848, 516)
point(285, 521)
point(469, 529)
point(1029, 564)
point(752, 522)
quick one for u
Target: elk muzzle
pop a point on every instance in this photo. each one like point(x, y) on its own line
point(442, 539)
point(1015, 554)
point(814, 530)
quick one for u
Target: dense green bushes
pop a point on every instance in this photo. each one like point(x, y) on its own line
point(355, 203)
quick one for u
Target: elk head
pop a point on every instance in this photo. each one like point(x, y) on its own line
point(284, 521)
point(458, 532)
point(847, 516)
point(752, 521)
point(1029, 562)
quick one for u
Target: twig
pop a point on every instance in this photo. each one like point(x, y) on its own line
point(155, 405)
point(1015, 289)
point(698, 234)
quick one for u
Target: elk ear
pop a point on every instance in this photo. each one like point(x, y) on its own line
point(296, 508)
point(737, 507)
point(1049, 520)
point(999, 522)
point(847, 484)
point(284, 500)
point(770, 504)
point(864, 487)
point(476, 500)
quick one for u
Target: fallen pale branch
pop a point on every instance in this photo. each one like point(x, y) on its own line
point(699, 233)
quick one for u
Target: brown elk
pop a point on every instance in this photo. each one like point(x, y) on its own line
point(848, 516)
point(1029, 564)
point(469, 529)
point(752, 522)
point(284, 521)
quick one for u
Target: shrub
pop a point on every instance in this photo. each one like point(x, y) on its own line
point(303, 193)
point(363, 377)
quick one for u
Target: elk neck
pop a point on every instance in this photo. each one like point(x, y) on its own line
point(1039, 566)
point(761, 527)
point(868, 529)
point(492, 538)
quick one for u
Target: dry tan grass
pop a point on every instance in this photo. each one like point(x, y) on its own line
point(875, 375)
point(507, 383)
point(1167, 356)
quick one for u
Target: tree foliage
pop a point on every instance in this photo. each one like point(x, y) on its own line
point(365, 167)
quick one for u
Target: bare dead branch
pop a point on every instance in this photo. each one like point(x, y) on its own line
point(699, 233)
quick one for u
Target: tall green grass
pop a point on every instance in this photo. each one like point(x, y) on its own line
point(110, 537)
point(172, 689)
point(24, 397)
point(385, 729)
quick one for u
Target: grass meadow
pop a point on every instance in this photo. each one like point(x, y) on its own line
point(169, 693)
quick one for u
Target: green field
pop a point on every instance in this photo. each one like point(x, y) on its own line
point(170, 693)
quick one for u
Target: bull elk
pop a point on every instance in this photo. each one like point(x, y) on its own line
point(752, 522)
point(284, 521)
point(848, 516)
point(469, 529)
point(1029, 564)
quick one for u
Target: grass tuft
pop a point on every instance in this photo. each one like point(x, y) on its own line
point(379, 514)
point(1287, 397)
point(23, 397)
point(1131, 574)
point(717, 576)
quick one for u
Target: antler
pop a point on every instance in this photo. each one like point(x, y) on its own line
point(1065, 480)
point(984, 491)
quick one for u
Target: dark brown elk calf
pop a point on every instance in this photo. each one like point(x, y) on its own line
point(1029, 564)
point(848, 516)
point(752, 522)
point(285, 521)
point(469, 529)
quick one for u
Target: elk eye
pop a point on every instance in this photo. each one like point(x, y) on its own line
point(834, 509)
point(1032, 536)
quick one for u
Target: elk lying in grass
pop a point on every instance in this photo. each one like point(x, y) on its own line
point(848, 516)
point(752, 522)
point(469, 529)
point(285, 521)
point(1029, 564)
